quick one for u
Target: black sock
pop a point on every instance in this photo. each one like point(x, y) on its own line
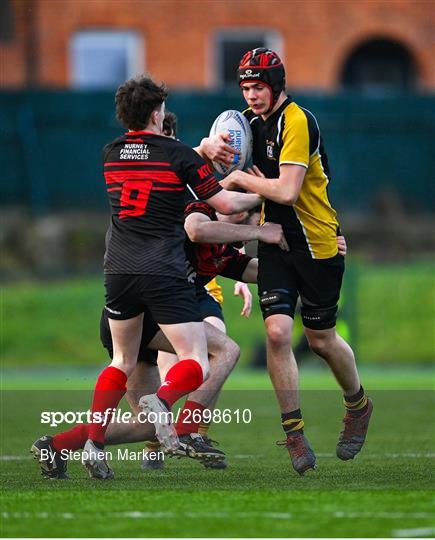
point(292, 422)
point(356, 404)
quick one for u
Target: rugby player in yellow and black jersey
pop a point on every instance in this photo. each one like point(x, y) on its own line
point(291, 172)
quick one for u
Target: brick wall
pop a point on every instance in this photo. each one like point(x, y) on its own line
point(318, 35)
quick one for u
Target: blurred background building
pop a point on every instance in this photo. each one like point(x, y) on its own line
point(365, 68)
point(196, 44)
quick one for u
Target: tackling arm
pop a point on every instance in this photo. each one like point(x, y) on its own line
point(231, 202)
point(251, 272)
point(283, 190)
point(216, 148)
point(200, 228)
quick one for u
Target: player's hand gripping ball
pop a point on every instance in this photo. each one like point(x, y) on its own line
point(240, 133)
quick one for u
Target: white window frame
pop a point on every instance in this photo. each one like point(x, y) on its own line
point(272, 39)
point(134, 48)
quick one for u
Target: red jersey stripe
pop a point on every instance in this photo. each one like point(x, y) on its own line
point(207, 187)
point(120, 176)
point(210, 181)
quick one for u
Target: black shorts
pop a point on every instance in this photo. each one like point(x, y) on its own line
point(316, 281)
point(149, 330)
point(208, 305)
point(169, 300)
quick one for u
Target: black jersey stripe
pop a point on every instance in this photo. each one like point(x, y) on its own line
point(137, 163)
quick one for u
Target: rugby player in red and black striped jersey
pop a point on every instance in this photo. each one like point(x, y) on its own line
point(208, 254)
point(146, 175)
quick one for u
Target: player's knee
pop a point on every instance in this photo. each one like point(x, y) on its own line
point(277, 302)
point(233, 352)
point(205, 366)
point(319, 345)
point(127, 365)
point(278, 335)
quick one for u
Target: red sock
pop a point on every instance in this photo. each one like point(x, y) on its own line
point(184, 377)
point(190, 418)
point(108, 393)
point(73, 439)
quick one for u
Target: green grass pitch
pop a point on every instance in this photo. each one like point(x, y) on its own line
point(385, 492)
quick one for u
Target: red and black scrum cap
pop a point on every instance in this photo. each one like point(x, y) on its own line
point(263, 65)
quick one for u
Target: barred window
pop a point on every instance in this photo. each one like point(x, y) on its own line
point(229, 45)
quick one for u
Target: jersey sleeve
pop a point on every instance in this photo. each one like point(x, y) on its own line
point(295, 141)
point(199, 207)
point(193, 170)
point(235, 264)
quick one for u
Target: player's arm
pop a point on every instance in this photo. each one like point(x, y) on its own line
point(251, 272)
point(283, 190)
point(200, 178)
point(294, 159)
point(216, 148)
point(200, 228)
point(231, 202)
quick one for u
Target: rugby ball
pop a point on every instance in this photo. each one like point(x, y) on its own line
point(241, 138)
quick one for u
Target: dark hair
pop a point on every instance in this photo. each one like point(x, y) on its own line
point(170, 124)
point(136, 99)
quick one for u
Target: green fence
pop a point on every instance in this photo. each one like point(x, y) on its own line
point(51, 145)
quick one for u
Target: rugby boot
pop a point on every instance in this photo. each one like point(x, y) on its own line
point(153, 463)
point(354, 433)
point(301, 453)
point(221, 464)
point(193, 445)
point(160, 416)
point(94, 460)
point(53, 465)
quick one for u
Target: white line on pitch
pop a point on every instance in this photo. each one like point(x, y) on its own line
point(414, 533)
point(14, 458)
point(236, 515)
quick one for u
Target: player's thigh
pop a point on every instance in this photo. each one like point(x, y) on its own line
point(174, 307)
point(210, 309)
point(149, 330)
point(166, 357)
point(277, 282)
point(125, 317)
point(319, 285)
point(161, 343)
point(126, 337)
point(188, 339)
point(217, 323)
point(220, 346)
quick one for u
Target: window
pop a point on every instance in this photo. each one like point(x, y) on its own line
point(379, 65)
point(105, 59)
point(230, 45)
point(6, 21)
